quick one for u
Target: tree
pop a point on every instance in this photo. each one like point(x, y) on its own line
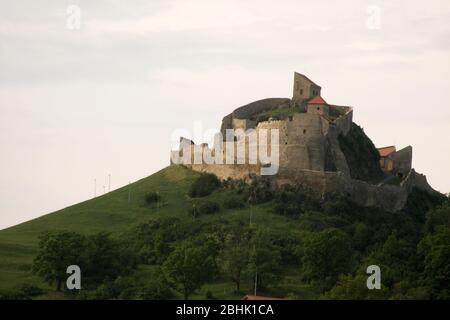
point(294, 200)
point(151, 241)
point(264, 260)
point(326, 255)
point(354, 288)
point(204, 185)
point(188, 267)
point(235, 261)
point(436, 250)
point(106, 259)
point(156, 287)
point(56, 252)
point(438, 217)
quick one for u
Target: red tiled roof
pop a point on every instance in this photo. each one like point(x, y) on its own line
point(317, 100)
point(385, 151)
point(252, 297)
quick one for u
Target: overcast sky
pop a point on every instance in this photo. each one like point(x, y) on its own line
point(77, 104)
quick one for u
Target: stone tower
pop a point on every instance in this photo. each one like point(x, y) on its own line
point(304, 88)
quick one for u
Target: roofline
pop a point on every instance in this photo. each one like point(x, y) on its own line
point(324, 102)
point(385, 147)
point(300, 74)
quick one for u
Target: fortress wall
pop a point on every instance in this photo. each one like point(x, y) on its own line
point(388, 197)
point(239, 124)
point(305, 142)
point(227, 122)
point(344, 123)
point(338, 156)
point(402, 160)
point(282, 131)
point(233, 171)
point(416, 180)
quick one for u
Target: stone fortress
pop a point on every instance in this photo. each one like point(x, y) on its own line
point(319, 147)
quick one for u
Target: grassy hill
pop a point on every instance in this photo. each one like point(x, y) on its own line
point(114, 212)
point(299, 224)
point(117, 212)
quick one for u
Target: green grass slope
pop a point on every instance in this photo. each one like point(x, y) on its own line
point(117, 212)
point(114, 212)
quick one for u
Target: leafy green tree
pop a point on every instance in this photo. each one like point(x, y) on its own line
point(188, 267)
point(204, 207)
point(152, 197)
point(438, 217)
point(398, 260)
point(294, 200)
point(235, 259)
point(361, 236)
point(151, 241)
point(156, 288)
point(106, 259)
point(264, 260)
point(354, 288)
point(327, 254)
point(436, 250)
point(204, 185)
point(56, 252)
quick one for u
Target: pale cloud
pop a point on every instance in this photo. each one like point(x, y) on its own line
point(182, 16)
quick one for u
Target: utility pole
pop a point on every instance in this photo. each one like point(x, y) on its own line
point(157, 202)
point(250, 201)
point(95, 188)
point(109, 182)
point(251, 214)
point(256, 280)
point(129, 192)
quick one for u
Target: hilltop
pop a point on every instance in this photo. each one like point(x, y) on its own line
point(113, 212)
point(309, 141)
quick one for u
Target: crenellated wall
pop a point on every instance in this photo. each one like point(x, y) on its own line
point(309, 150)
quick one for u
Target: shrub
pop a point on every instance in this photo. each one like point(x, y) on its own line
point(205, 184)
point(30, 290)
point(327, 255)
point(294, 200)
point(157, 288)
point(204, 207)
point(188, 268)
point(152, 197)
point(259, 190)
point(234, 201)
point(13, 295)
point(124, 288)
